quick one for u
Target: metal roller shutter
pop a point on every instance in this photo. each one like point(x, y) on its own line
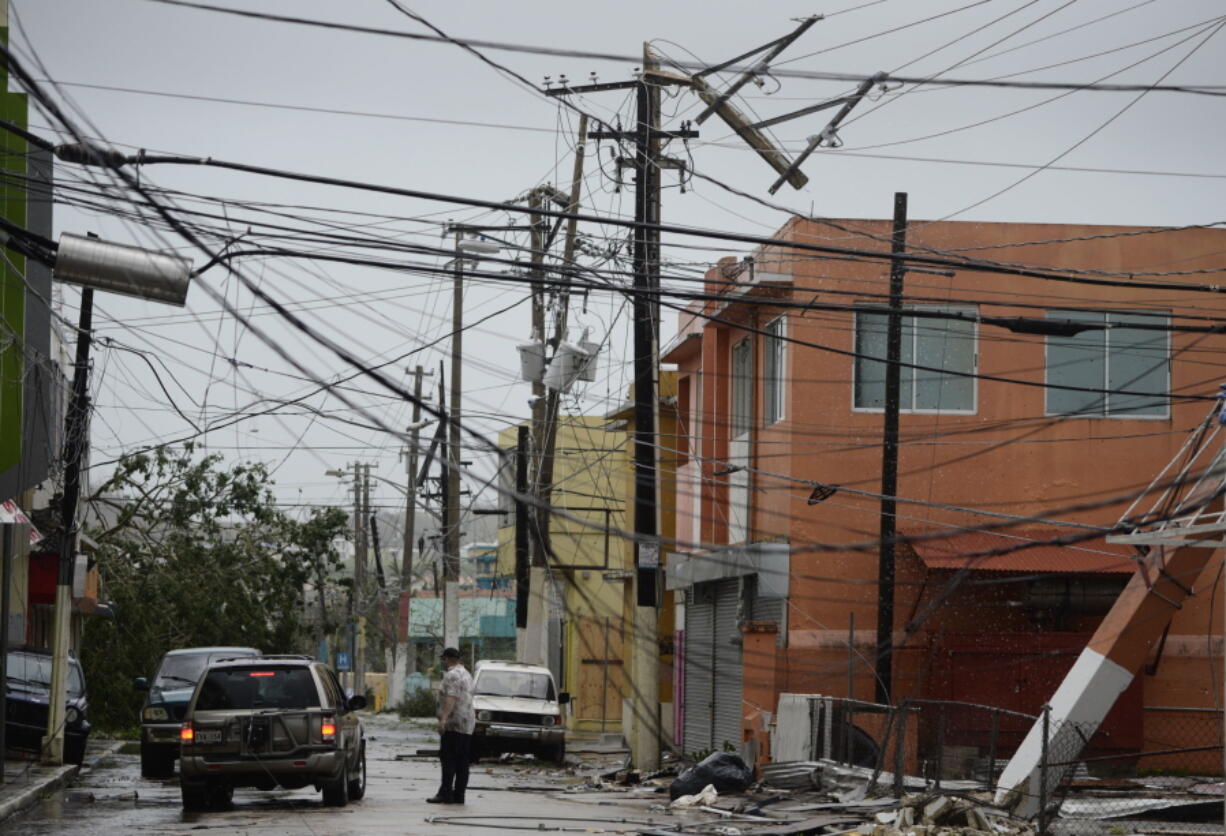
point(727, 679)
point(699, 659)
point(768, 609)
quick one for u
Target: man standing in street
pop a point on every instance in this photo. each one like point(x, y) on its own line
point(456, 722)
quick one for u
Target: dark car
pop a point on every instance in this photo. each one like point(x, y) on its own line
point(162, 714)
point(275, 721)
point(29, 690)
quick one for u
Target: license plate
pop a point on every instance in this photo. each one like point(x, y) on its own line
point(208, 736)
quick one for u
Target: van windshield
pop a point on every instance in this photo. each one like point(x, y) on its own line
point(537, 686)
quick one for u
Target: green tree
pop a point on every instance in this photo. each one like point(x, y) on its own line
point(194, 552)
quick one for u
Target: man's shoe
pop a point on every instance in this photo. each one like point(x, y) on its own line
point(440, 798)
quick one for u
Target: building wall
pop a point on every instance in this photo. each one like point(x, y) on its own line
point(1005, 456)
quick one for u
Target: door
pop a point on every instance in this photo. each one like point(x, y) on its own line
point(601, 674)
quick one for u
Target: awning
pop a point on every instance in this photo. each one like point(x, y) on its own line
point(11, 514)
point(975, 550)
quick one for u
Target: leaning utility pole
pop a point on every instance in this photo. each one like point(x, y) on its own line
point(889, 458)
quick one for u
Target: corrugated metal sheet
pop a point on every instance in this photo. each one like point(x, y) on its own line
point(726, 726)
point(974, 550)
point(699, 659)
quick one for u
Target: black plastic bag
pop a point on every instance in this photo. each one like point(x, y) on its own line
point(725, 770)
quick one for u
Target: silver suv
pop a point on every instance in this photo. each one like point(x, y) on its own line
point(268, 722)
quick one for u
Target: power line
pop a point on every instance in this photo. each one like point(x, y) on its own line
point(1201, 89)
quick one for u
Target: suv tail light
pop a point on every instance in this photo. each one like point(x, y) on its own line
point(187, 734)
point(327, 729)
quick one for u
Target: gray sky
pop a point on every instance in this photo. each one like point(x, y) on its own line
point(449, 123)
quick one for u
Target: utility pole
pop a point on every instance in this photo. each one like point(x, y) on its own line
point(360, 566)
point(404, 661)
point(534, 648)
point(889, 458)
point(76, 437)
point(451, 566)
point(522, 559)
point(646, 137)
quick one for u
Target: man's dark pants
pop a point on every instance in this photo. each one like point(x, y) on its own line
point(453, 752)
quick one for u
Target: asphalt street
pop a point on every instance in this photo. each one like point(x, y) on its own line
point(110, 797)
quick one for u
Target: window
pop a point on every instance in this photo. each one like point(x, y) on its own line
point(742, 388)
point(244, 688)
point(773, 371)
point(1112, 362)
point(947, 345)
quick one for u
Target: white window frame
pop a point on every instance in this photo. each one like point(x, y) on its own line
point(1106, 415)
point(774, 373)
point(974, 371)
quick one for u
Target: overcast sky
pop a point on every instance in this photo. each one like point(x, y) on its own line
point(433, 117)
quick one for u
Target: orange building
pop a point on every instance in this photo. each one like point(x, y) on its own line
point(1033, 410)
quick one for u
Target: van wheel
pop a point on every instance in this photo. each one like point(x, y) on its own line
point(336, 793)
point(357, 787)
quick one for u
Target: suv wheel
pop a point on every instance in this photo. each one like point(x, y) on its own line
point(556, 753)
point(195, 796)
point(156, 761)
point(357, 787)
point(336, 793)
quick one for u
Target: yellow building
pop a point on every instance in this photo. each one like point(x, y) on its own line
point(591, 569)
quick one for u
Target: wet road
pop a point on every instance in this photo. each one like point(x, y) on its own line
point(110, 797)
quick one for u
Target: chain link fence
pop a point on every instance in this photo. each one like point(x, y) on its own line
point(1086, 783)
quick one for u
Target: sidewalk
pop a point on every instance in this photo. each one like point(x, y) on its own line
point(26, 780)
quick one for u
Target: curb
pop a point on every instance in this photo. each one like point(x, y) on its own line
point(30, 793)
point(48, 783)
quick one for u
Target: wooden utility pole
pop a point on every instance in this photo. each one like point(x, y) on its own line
point(889, 458)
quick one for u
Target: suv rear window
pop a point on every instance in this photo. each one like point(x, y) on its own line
point(537, 686)
point(263, 687)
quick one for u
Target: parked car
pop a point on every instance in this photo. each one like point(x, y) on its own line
point(161, 716)
point(29, 690)
point(274, 721)
point(518, 709)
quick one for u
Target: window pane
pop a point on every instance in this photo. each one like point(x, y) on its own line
point(944, 344)
point(773, 384)
point(870, 374)
point(1076, 361)
point(1137, 362)
point(742, 391)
